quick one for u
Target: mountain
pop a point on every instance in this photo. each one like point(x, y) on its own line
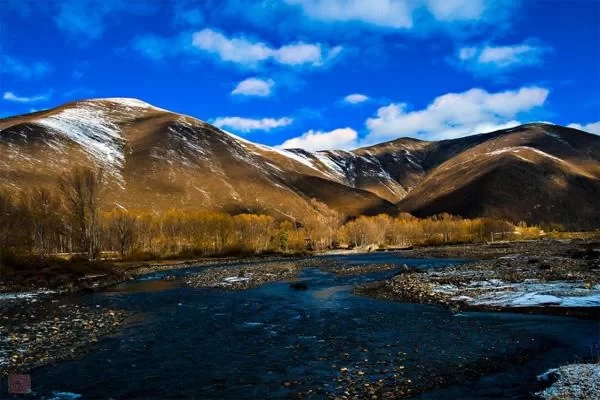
point(535, 172)
point(156, 159)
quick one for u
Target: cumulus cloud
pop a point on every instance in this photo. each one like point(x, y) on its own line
point(393, 14)
point(244, 125)
point(456, 10)
point(355, 98)
point(22, 69)
point(339, 139)
point(254, 87)
point(490, 59)
point(455, 114)
point(385, 13)
point(592, 127)
point(10, 96)
point(243, 51)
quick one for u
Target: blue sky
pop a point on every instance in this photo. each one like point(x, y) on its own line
point(316, 74)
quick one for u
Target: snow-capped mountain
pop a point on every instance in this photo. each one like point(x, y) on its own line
point(157, 159)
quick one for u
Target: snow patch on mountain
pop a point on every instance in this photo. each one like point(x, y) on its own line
point(518, 149)
point(337, 166)
point(127, 103)
point(557, 137)
point(251, 146)
point(89, 126)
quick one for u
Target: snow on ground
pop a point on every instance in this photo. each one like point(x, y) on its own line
point(24, 295)
point(530, 293)
point(232, 279)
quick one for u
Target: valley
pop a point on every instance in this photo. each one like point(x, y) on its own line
point(137, 239)
point(299, 199)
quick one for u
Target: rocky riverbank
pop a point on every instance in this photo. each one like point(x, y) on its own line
point(137, 269)
point(247, 276)
point(559, 278)
point(574, 382)
point(36, 332)
point(342, 269)
point(535, 248)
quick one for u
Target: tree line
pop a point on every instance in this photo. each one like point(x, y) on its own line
point(71, 219)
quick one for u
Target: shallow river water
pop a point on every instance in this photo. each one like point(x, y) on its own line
point(274, 342)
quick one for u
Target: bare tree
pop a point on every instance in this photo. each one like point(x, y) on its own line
point(43, 212)
point(124, 227)
point(7, 212)
point(81, 189)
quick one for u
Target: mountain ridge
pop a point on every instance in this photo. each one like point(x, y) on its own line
point(159, 159)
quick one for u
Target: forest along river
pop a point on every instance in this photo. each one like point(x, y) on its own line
point(275, 342)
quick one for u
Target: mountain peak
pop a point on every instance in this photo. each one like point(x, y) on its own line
point(126, 102)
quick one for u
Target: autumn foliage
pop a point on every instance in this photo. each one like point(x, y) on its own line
point(70, 220)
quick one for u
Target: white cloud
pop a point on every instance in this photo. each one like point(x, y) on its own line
point(592, 127)
point(339, 139)
point(254, 87)
point(22, 69)
point(455, 114)
point(246, 52)
point(489, 59)
point(467, 53)
point(385, 13)
point(456, 10)
point(240, 124)
point(393, 14)
point(10, 96)
point(356, 98)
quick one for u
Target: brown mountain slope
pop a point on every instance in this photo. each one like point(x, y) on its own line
point(537, 173)
point(155, 160)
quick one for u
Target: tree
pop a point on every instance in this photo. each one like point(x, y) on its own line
point(43, 213)
point(7, 213)
point(123, 227)
point(81, 190)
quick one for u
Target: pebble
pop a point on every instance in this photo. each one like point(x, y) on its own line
point(249, 276)
point(45, 334)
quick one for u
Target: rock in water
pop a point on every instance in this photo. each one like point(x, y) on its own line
point(298, 286)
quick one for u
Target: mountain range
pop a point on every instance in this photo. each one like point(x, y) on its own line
point(154, 159)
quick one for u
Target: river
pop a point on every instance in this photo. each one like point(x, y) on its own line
point(275, 342)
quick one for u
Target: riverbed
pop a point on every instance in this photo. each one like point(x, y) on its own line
point(323, 342)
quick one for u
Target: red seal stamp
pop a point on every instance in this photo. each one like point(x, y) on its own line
point(19, 384)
